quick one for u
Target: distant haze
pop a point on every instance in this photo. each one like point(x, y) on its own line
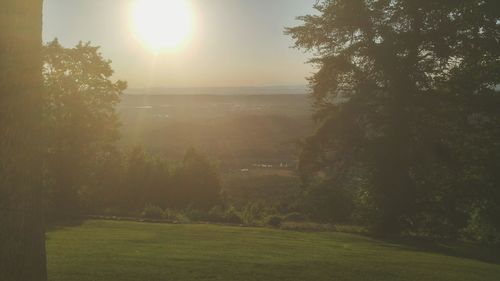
point(270, 90)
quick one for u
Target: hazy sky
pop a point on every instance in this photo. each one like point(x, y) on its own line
point(234, 42)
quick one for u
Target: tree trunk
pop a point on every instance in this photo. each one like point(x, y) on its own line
point(22, 243)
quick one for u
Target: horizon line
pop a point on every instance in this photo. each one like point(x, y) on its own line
point(217, 87)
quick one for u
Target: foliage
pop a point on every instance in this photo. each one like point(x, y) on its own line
point(152, 212)
point(80, 118)
point(253, 212)
point(482, 225)
point(196, 182)
point(295, 217)
point(194, 214)
point(275, 189)
point(232, 216)
point(173, 215)
point(224, 215)
point(274, 220)
point(139, 179)
point(406, 98)
point(329, 202)
point(104, 192)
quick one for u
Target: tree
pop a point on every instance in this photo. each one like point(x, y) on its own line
point(80, 118)
point(138, 178)
point(196, 183)
point(147, 181)
point(105, 188)
point(398, 82)
point(22, 243)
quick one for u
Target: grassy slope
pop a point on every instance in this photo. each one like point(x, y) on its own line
point(110, 250)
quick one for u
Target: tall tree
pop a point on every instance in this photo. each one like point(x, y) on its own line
point(81, 119)
point(396, 86)
point(22, 252)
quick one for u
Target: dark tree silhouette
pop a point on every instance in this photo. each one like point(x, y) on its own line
point(80, 119)
point(196, 182)
point(22, 253)
point(398, 82)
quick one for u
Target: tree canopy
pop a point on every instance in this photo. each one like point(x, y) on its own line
point(406, 97)
point(80, 117)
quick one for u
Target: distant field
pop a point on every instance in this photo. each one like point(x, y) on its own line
point(121, 251)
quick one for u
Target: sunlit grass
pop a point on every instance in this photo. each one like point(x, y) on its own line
point(111, 250)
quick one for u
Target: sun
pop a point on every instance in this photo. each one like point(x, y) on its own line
point(162, 24)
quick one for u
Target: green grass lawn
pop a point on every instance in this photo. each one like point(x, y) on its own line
point(120, 251)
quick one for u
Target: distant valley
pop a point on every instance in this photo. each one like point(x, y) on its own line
point(237, 131)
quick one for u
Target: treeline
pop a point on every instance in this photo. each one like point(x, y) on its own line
point(124, 183)
point(133, 183)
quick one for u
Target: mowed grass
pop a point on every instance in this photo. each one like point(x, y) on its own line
point(120, 251)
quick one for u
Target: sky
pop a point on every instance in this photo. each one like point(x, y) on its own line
point(233, 43)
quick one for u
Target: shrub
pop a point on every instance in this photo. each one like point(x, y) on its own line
point(173, 215)
point(295, 216)
point(274, 220)
point(481, 226)
point(328, 202)
point(152, 212)
point(218, 214)
point(194, 214)
point(232, 216)
point(111, 212)
point(253, 212)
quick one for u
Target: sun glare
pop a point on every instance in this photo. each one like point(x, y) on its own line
point(163, 24)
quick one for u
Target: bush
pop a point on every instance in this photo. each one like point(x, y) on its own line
point(152, 212)
point(196, 215)
point(295, 216)
point(173, 215)
point(274, 220)
point(253, 213)
point(481, 226)
point(329, 202)
point(218, 214)
point(232, 216)
point(111, 212)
